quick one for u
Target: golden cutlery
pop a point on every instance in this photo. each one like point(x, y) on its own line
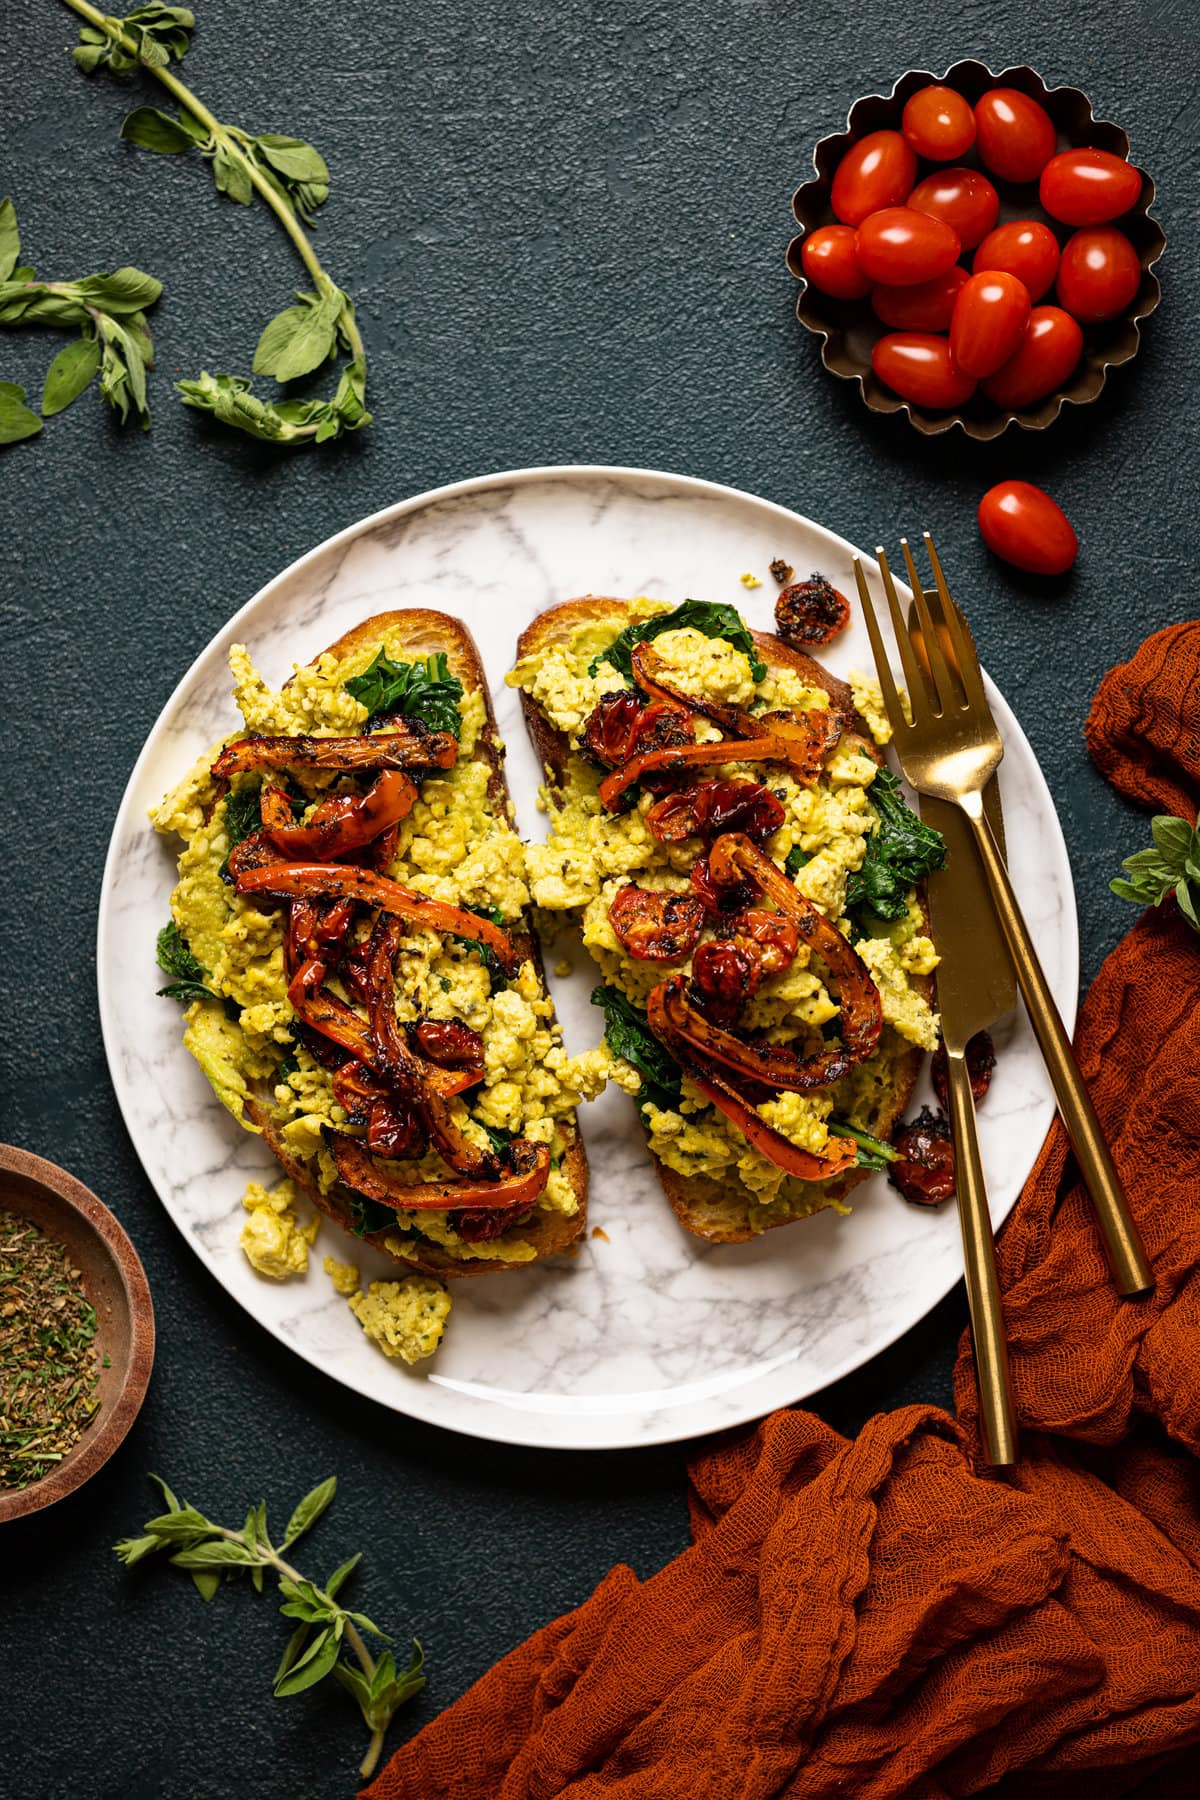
point(950, 750)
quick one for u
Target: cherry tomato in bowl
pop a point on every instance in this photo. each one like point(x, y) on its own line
point(926, 306)
point(990, 316)
point(1015, 136)
point(877, 171)
point(1025, 248)
point(1088, 187)
point(1022, 525)
point(901, 247)
point(829, 258)
point(1044, 360)
point(917, 366)
point(962, 198)
point(938, 123)
point(1098, 274)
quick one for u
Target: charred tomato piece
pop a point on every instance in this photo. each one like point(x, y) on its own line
point(924, 1173)
point(981, 1060)
point(712, 807)
point(449, 1044)
point(656, 927)
point(719, 900)
point(623, 726)
point(393, 1129)
point(811, 612)
point(724, 977)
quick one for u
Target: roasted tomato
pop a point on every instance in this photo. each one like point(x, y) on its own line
point(767, 936)
point(917, 366)
point(1088, 187)
point(449, 1044)
point(1042, 361)
point(1015, 136)
point(924, 1173)
point(963, 199)
point(901, 245)
point(720, 901)
point(877, 171)
point(926, 307)
point(622, 726)
point(393, 1129)
point(1098, 274)
point(981, 1060)
point(724, 976)
point(938, 123)
point(715, 806)
point(656, 927)
point(829, 258)
point(989, 322)
point(811, 612)
point(1024, 526)
point(1023, 247)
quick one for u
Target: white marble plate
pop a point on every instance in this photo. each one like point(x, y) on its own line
point(648, 1335)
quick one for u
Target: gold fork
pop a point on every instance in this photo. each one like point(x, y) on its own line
point(950, 748)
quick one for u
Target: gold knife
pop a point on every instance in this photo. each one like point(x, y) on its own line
point(976, 985)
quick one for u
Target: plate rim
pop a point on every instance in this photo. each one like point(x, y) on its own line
point(666, 1425)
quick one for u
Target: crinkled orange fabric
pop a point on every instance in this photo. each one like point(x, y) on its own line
point(883, 1618)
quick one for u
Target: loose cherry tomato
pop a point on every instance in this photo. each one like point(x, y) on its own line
point(1025, 527)
point(1088, 187)
point(1026, 249)
point(926, 307)
point(963, 199)
point(901, 247)
point(1098, 274)
point(1014, 135)
point(990, 316)
point(830, 261)
point(877, 171)
point(1045, 357)
point(939, 123)
point(916, 365)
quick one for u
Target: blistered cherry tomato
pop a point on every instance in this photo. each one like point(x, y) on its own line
point(830, 261)
point(939, 123)
point(926, 307)
point(1027, 528)
point(1098, 273)
point(990, 316)
point(963, 199)
point(1043, 361)
point(901, 247)
point(1014, 135)
point(1088, 187)
point(1025, 248)
point(916, 365)
point(877, 171)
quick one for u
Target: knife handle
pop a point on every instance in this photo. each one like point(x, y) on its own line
point(979, 1265)
point(1122, 1241)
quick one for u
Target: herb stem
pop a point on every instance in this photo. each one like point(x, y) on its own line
point(187, 99)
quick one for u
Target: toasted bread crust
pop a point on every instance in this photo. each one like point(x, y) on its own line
point(424, 633)
point(718, 1211)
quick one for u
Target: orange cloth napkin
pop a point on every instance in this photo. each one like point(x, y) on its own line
point(883, 1617)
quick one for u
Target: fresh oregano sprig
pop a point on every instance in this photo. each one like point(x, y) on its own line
point(109, 312)
point(291, 177)
point(1170, 865)
point(211, 1554)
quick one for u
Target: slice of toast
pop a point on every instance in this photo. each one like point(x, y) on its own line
point(720, 1210)
point(424, 633)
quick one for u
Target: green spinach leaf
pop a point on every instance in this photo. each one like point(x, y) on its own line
point(174, 957)
point(627, 1034)
point(900, 852)
point(419, 690)
point(714, 618)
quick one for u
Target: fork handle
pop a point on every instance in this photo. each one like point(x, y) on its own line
point(1122, 1241)
point(979, 1266)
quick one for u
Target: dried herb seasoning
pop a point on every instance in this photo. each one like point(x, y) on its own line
point(48, 1366)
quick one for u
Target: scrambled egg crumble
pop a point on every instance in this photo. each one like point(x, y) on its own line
point(344, 1276)
point(405, 1318)
point(589, 855)
point(455, 845)
point(274, 1241)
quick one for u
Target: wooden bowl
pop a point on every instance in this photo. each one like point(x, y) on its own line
point(848, 329)
point(115, 1283)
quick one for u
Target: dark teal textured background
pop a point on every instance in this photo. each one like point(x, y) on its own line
point(564, 225)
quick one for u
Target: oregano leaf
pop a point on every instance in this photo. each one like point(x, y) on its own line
point(309, 1510)
point(16, 420)
point(10, 239)
point(70, 372)
point(312, 1667)
point(150, 129)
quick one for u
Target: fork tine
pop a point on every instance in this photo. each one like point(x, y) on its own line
point(916, 630)
point(920, 691)
point(891, 699)
point(962, 644)
point(941, 682)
